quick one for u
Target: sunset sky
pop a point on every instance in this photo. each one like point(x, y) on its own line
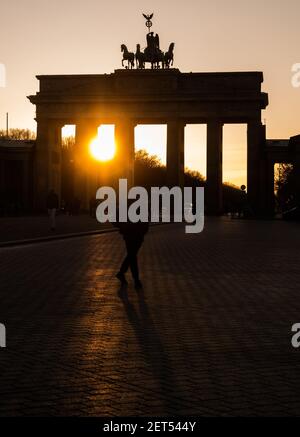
point(74, 37)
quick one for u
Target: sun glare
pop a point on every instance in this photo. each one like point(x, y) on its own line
point(103, 147)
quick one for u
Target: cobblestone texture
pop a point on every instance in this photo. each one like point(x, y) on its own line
point(209, 335)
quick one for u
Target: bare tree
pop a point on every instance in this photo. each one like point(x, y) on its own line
point(18, 134)
point(68, 142)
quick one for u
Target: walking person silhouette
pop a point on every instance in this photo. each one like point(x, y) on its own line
point(133, 234)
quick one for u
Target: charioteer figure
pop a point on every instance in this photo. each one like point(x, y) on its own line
point(153, 43)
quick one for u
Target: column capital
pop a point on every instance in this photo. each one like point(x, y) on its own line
point(215, 122)
point(89, 122)
point(51, 122)
point(176, 120)
point(128, 121)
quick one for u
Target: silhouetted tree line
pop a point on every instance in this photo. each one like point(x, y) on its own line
point(149, 172)
point(286, 187)
point(67, 177)
point(18, 134)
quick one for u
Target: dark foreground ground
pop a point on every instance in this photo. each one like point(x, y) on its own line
point(34, 227)
point(210, 334)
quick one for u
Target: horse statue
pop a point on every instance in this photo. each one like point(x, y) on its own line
point(127, 56)
point(140, 57)
point(158, 58)
point(169, 56)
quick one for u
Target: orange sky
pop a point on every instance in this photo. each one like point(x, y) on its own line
point(73, 37)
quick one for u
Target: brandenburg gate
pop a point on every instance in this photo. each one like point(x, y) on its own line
point(129, 97)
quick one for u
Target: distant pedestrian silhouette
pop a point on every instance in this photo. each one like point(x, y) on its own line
point(245, 210)
point(133, 234)
point(52, 206)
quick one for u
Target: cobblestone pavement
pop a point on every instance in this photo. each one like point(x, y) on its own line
point(210, 334)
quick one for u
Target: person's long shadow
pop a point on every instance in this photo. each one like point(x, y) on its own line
point(153, 351)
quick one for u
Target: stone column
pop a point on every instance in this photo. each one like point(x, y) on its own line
point(214, 173)
point(175, 153)
point(47, 168)
point(124, 137)
point(84, 177)
point(255, 144)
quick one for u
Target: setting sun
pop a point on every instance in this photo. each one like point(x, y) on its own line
point(103, 147)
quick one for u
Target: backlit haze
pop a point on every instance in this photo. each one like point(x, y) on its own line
point(83, 37)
